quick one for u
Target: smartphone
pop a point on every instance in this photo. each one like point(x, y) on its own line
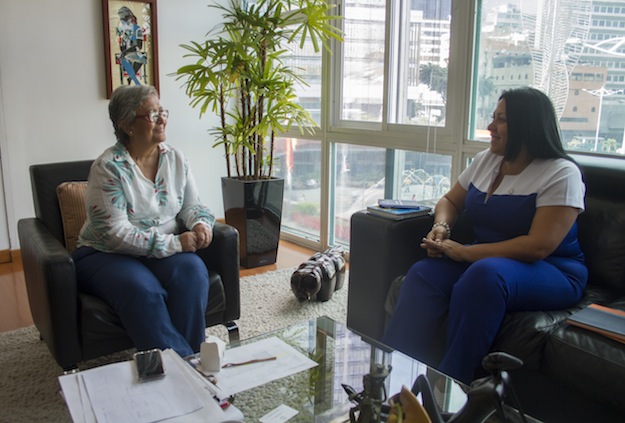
point(149, 365)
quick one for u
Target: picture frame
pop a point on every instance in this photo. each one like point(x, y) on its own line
point(130, 43)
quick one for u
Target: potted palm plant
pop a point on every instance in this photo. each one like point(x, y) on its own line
point(239, 73)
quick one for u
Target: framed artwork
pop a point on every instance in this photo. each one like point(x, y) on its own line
point(130, 43)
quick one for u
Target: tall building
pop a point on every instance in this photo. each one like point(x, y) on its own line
point(605, 49)
point(574, 50)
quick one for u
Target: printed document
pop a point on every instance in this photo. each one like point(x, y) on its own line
point(112, 393)
point(289, 361)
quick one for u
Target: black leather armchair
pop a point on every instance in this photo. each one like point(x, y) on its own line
point(569, 374)
point(78, 327)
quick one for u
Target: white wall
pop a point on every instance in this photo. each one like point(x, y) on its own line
point(53, 105)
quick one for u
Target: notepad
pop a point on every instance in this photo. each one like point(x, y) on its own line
point(399, 213)
point(399, 204)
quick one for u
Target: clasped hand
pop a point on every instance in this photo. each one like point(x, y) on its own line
point(197, 238)
point(438, 245)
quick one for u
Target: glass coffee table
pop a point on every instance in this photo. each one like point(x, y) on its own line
point(343, 358)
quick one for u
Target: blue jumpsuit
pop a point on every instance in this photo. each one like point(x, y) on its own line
point(474, 297)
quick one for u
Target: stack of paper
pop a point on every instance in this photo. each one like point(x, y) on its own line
point(112, 393)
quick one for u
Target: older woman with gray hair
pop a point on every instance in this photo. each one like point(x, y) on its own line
point(135, 251)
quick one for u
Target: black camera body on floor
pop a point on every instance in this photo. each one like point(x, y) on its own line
point(318, 277)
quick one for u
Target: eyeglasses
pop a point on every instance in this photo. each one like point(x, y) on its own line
point(153, 116)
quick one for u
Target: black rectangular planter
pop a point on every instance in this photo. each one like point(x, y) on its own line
point(255, 209)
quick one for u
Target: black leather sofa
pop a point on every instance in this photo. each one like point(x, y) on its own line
point(569, 374)
point(77, 327)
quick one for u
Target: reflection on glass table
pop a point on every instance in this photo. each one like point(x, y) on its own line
point(342, 357)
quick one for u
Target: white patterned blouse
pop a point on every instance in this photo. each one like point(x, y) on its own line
point(127, 213)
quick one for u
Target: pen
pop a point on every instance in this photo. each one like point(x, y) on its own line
point(257, 360)
point(211, 378)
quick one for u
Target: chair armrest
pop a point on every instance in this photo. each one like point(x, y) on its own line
point(380, 250)
point(52, 292)
point(222, 256)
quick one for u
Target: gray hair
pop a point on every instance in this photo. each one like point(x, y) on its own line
point(123, 105)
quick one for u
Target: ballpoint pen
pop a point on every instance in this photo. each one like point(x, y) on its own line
point(242, 363)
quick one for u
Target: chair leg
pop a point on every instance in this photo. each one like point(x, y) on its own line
point(233, 332)
point(71, 370)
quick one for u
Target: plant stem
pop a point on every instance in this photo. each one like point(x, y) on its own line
point(273, 137)
point(222, 113)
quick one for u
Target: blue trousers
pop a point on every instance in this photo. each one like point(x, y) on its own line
point(472, 299)
point(161, 302)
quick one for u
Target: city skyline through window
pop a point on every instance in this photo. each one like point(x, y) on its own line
point(411, 90)
point(573, 50)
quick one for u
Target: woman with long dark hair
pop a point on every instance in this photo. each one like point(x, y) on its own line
point(523, 196)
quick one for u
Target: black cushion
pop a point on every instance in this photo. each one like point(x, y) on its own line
point(587, 361)
point(601, 235)
point(524, 333)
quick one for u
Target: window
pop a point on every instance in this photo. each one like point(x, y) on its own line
point(589, 77)
point(421, 176)
point(414, 49)
point(359, 178)
point(404, 102)
point(363, 60)
point(586, 37)
point(308, 66)
point(298, 162)
point(392, 109)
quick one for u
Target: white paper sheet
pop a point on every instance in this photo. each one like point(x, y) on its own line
point(236, 379)
point(192, 393)
point(79, 410)
point(280, 414)
point(117, 396)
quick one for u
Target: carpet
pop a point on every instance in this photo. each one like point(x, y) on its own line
point(29, 388)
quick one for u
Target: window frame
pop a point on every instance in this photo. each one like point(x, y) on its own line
point(452, 139)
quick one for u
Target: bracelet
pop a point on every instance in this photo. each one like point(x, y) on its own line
point(444, 225)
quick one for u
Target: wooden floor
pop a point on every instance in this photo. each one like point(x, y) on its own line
point(15, 312)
